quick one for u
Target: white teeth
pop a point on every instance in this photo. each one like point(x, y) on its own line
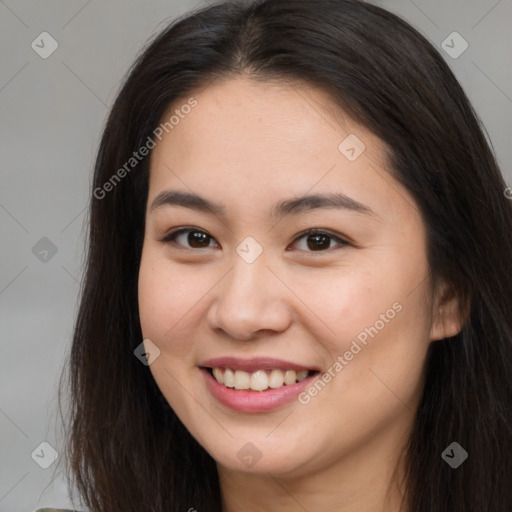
point(290, 377)
point(276, 379)
point(229, 378)
point(217, 373)
point(302, 375)
point(259, 380)
point(242, 380)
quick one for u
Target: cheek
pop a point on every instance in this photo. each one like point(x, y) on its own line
point(157, 288)
point(375, 317)
point(382, 356)
point(170, 306)
point(166, 298)
point(152, 296)
point(343, 302)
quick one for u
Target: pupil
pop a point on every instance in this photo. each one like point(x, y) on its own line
point(318, 238)
point(195, 237)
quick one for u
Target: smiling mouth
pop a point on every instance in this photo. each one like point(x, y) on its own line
point(259, 380)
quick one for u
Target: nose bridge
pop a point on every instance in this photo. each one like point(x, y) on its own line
point(247, 282)
point(247, 300)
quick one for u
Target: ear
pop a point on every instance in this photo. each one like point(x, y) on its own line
point(448, 316)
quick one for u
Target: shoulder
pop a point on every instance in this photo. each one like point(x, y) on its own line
point(54, 510)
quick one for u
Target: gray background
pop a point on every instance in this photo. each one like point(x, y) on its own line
point(52, 112)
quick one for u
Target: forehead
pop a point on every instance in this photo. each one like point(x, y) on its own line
point(241, 112)
point(269, 139)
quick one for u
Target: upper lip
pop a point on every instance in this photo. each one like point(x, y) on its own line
point(254, 364)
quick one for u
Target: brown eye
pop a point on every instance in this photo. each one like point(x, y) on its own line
point(190, 238)
point(319, 241)
point(194, 238)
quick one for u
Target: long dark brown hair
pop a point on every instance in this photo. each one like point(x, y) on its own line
point(126, 449)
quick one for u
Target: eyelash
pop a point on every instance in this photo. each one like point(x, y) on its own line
point(171, 236)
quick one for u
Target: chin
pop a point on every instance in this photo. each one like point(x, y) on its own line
point(251, 458)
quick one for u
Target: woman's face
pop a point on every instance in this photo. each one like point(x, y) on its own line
point(246, 284)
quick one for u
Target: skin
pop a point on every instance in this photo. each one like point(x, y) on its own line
point(249, 145)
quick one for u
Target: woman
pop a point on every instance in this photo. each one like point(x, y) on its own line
point(217, 363)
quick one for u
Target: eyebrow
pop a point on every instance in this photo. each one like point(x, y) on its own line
point(288, 207)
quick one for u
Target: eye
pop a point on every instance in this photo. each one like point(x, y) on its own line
point(318, 240)
point(197, 238)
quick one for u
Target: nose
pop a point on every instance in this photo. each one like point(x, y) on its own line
point(250, 302)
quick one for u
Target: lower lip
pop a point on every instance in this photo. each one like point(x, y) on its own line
point(255, 401)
